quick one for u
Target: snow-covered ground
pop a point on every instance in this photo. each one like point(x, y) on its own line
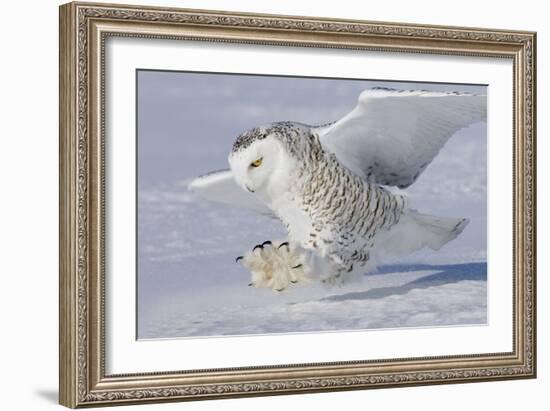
point(400, 296)
point(188, 282)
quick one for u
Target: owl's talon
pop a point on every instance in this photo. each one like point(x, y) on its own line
point(275, 267)
point(239, 258)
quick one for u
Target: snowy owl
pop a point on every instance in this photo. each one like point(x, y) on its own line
point(331, 185)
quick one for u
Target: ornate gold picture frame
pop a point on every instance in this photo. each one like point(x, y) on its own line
point(85, 28)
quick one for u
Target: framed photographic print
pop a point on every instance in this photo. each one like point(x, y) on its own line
point(259, 204)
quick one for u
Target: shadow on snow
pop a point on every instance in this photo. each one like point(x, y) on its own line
point(446, 274)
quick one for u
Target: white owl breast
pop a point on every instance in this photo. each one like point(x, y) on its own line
point(296, 220)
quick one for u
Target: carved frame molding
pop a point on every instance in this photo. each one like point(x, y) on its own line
point(83, 30)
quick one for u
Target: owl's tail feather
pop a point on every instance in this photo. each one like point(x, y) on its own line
point(415, 231)
point(435, 232)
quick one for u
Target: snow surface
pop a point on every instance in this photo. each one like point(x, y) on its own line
point(188, 283)
point(424, 296)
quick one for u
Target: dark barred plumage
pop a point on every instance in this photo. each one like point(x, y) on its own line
point(346, 211)
point(286, 131)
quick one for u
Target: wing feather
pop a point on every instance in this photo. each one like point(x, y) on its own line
point(220, 186)
point(391, 136)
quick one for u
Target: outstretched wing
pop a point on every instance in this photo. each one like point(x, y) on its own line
point(220, 186)
point(391, 136)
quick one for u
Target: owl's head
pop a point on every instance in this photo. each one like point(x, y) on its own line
point(261, 161)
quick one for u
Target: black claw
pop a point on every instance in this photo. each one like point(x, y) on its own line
point(257, 246)
point(279, 289)
point(285, 243)
point(297, 266)
point(266, 243)
point(238, 258)
point(294, 282)
point(250, 284)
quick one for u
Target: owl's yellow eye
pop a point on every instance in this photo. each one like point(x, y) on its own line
point(257, 163)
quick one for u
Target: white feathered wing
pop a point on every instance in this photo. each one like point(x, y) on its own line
point(391, 136)
point(220, 186)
